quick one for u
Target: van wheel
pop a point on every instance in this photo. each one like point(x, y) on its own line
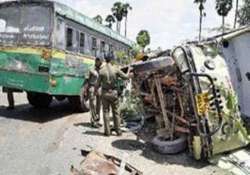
point(80, 103)
point(39, 100)
point(169, 146)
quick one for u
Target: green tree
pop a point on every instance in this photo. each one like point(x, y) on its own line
point(244, 13)
point(202, 14)
point(143, 39)
point(98, 19)
point(110, 20)
point(117, 11)
point(126, 8)
point(223, 7)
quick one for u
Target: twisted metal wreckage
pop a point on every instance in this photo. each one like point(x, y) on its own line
point(198, 96)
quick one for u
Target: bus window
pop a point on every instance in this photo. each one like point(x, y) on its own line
point(69, 39)
point(60, 33)
point(102, 47)
point(82, 42)
point(111, 48)
point(76, 43)
point(10, 21)
point(94, 46)
point(2, 25)
point(36, 22)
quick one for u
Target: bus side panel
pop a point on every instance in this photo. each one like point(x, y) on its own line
point(65, 85)
point(67, 75)
point(24, 81)
point(20, 70)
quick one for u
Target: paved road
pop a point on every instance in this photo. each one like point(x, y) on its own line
point(47, 142)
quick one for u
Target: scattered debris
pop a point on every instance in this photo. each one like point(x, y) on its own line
point(97, 163)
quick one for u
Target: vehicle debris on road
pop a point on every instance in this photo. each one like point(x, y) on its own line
point(97, 163)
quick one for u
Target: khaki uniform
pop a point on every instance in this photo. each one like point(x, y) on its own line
point(108, 77)
point(94, 99)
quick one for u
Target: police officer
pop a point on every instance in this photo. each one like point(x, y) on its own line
point(93, 95)
point(107, 80)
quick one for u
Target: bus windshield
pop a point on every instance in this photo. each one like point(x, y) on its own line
point(27, 24)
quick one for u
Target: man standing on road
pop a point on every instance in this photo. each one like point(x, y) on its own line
point(107, 80)
point(94, 98)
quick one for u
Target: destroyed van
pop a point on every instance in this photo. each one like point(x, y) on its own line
point(198, 96)
point(218, 73)
point(47, 48)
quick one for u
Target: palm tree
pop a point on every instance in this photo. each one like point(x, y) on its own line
point(201, 9)
point(223, 7)
point(236, 13)
point(143, 39)
point(126, 8)
point(110, 20)
point(117, 11)
point(98, 19)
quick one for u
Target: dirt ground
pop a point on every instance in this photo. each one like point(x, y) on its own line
point(49, 141)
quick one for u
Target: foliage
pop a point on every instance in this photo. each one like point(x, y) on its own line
point(244, 13)
point(126, 7)
point(110, 20)
point(120, 10)
point(117, 11)
point(201, 4)
point(223, 7)
point(131, 106)
point(122, 58)
point(135, 49)
point(143, 38)
point(98, 19)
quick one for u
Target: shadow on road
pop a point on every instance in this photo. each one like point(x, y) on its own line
point(148, 152)
point(88, 125)
point(143, 143)
point(28, 113)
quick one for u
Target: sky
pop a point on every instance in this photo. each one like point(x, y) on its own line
point(169, 22)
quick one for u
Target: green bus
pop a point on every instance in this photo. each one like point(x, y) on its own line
point(46, 49)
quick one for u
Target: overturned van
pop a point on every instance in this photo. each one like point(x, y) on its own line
point(218, 71)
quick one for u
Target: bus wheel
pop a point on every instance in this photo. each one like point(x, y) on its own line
point(39, 100)
point(80, 103)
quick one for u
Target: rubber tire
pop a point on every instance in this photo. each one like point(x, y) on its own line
point(169, 147)
point(79, 103)
point(39, 100)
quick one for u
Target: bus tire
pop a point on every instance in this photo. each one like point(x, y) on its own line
point(39, 100)
point(79, 103)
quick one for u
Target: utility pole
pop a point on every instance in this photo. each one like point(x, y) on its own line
point(236, 13)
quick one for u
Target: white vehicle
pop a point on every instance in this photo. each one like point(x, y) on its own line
point(219, 71)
